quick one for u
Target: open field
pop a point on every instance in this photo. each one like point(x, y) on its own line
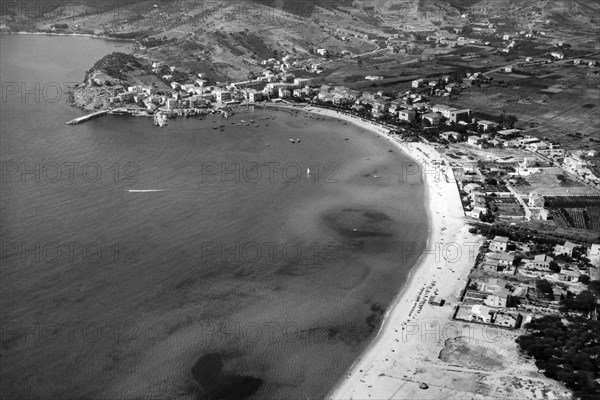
point(546, 183)
point(464, 152)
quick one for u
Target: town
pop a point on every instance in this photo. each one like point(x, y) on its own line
point(497, 101)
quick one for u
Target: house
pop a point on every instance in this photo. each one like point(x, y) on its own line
point(418, 83)
point(455, 136)
point(568, 275)
point(302, 82)
point(507, 319)
point(537, 146)
point(480, 312)
point(471, 187)
point(433, 118)
point(321, 52)
point(528, 141)
point(566, 249)
point(508, 69)
point(457, 116)
point(499, 243)
point(504, 259)
point(487, 125)
point(541, 261)
point(381, 105)
point(479, 207)
point(474, 140)
point(443, 109)
point(407, 115)
point(558, 55)
point(507, 133)
point(535, 200)
point(498, 299)
point(496, 261)
point(559, 293)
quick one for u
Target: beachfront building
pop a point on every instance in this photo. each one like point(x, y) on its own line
point(407, 115)
point(222, 95)
point(253, 95)
point(451, 136)
point(471, 187)
point(481, 313)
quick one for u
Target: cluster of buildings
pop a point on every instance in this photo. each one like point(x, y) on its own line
point(497, 298)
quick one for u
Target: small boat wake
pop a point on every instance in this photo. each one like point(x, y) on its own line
point(147, 190)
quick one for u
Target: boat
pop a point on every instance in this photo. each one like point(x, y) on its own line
point(307, 171)
point(292, 140)
point(376, 176)
point(297, 140)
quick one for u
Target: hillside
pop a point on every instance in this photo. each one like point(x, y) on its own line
point(229, 40)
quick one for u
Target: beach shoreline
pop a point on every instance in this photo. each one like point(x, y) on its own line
point(88, 35)
point(448, 257)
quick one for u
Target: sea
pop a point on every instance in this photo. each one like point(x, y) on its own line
point(214, 258)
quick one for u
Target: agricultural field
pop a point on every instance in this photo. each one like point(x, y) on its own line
point(575, 212)
point(561, 104)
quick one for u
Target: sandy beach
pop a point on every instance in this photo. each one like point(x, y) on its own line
point(420, 352)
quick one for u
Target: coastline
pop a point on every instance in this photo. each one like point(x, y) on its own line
point(89, 35)
point(393, 358)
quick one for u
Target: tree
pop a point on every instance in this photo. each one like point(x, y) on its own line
point(554, 267)
point(583, 302)
point(584, 279)
point(544, 287)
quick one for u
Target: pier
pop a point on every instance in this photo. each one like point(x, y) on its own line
point(87, 117)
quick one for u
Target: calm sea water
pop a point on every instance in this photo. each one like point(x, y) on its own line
point(241, 275)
